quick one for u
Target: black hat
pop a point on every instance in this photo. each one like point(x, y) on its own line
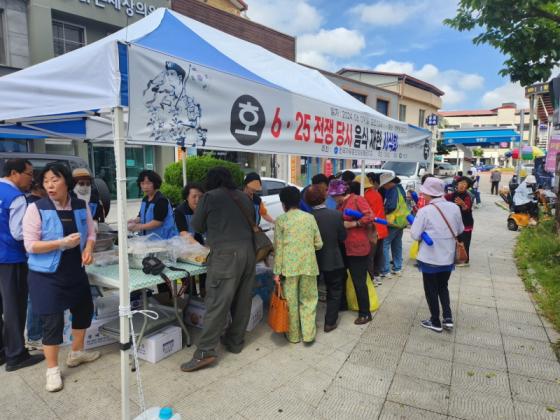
point(252, 177)
point(170, 65)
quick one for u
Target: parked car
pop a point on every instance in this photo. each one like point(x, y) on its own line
point(445, 169)
point(485, 167)
point(270, 189)
point(40, 160)
point(411, 173)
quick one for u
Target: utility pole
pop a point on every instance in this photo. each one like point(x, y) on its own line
point(521, 129)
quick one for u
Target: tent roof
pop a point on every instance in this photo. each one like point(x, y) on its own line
point(89, 78)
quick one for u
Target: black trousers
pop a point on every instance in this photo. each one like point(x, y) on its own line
point(358, 267)
point(335, 282)
point(13, 298)
point(53, 324)
point(376, 259)
point(532, 209)
point(435, 288)
point(465, 237)
point(495, 187)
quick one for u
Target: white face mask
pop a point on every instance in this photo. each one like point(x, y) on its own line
point(83, 192)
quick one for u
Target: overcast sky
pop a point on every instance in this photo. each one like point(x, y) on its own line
point(405, 36)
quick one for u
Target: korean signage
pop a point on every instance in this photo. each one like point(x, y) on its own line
point(176, 102)
point(131, 7)
point(553, 150)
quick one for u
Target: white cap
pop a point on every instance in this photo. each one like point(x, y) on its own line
point(385, 177)
point(530, 179)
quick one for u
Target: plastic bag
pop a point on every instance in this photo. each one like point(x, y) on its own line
point(101, 259)
point(188, 251)
point(414, 248)
point(351, 298)
point(149, 246)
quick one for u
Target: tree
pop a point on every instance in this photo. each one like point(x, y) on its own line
point(527, 31)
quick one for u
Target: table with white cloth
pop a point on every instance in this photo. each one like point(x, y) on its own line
point(108, 276)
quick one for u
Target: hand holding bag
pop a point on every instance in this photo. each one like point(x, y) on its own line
point(461, 256)
point(278, 312)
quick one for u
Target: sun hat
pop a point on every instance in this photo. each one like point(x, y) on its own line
point(385, 178)
point(367, 182)
point(337, 187)
point(81, 173)
point(433, 187)
point(530, 179)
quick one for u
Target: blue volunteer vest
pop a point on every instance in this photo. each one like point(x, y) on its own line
point(92, 208)
point(167, 229)
point(11, 250)
point(51, 230)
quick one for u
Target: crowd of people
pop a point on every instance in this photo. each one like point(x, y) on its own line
point(328, 232)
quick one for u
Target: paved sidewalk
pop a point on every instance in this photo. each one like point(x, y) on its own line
point(496, 364)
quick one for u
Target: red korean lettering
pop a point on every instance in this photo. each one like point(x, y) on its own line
point(329, 127)
point(276, 127)
point(340, 126)
point(318, 129)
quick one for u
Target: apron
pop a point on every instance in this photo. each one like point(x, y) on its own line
point(53, 293)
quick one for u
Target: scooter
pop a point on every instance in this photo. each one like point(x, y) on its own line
point(515, 219)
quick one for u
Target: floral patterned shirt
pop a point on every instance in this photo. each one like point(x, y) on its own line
point(296, 238)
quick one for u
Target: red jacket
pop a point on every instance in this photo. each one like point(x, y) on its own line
point(375, 201)
point(357, 243)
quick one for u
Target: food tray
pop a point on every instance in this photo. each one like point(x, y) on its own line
point(193, 262)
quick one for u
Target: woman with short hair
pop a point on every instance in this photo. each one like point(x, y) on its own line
point(296, 238)
point(59, 235)
point(463, 199)
point(441, 220)
point(184, 212)
point(156, 213)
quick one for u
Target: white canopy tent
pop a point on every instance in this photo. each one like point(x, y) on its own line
point(169, 80)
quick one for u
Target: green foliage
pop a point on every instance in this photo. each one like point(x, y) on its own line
point(527, 31)
point(538, 258)
point(478, 152)
point(197, 168)
point(172, 192)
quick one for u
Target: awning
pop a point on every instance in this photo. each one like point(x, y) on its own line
point(480, 137)
point(71, 126)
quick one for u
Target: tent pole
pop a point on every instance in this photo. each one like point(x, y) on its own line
point(124, 294)
point(363, 177)
point(184, 158)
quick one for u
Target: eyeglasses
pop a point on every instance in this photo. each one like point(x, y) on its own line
point(28, 173)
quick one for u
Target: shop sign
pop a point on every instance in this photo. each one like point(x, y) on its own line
point(131, 7)
point(553, 150)
point(176, 102)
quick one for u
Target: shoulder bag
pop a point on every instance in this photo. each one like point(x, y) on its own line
point(263, 245)
point(461, 256)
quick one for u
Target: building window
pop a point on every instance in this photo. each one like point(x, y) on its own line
point(138, 158)
point(2, 39)
point(422, 118)
point(358, 96)
point(402, 112)
point(382, 106)
point(67, 37)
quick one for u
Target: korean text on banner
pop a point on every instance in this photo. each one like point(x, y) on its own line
point(553, 150)
point(173, 101)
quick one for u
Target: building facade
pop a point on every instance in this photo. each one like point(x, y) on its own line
point(416, 99)
point(14, 36)
point(507, 115)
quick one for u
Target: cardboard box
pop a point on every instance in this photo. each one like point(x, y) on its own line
point(106, 307)
point(193, 315)
point(256, 313)
point(161, 345)
point(94, 338)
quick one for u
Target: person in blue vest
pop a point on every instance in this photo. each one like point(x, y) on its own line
point(322, 183)
point(82, 188)
point(184, 212)
point(156, 213)
point(59, 236)
point(252, 185)
point(18, 174)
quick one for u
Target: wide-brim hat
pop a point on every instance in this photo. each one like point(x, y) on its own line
point(385, 178)
point(367, 181)
point(433, 187)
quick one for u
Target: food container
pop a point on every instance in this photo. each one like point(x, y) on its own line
point(104, 242)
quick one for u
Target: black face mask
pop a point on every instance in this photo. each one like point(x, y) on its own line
point(152, 265)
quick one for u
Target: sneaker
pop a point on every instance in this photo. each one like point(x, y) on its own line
point(447, 323)
point(462, 264)
point(396, 273)
point(377, 282)
point(383, 275)
point(428, 324)
point(34, 345)
point(76, 358)
point(54, 380)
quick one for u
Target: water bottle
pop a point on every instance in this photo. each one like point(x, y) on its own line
point(353, 213)
point(425, 237)
point(380, 221)
point(414, 196)
point(159, 413)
